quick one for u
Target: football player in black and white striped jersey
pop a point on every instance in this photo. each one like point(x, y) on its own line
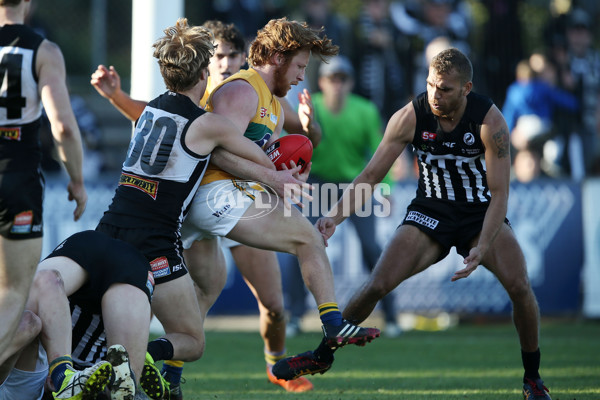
point(461, 142)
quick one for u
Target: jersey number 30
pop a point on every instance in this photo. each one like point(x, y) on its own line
point(153, 151)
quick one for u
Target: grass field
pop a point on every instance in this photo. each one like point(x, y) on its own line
point(468, 361)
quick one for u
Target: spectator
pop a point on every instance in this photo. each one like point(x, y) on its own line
point(528, 109)
point(318, 14)
point(426, 21)
point(583, 63)
point(502, 46)
point(381, 50)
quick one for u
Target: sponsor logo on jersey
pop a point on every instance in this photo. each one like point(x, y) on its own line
point(11, 133)
point(469, 138)
point(22, 222)
point(222, 211)
point(274, 118)
point(160, 267)
point(145, 185)
point(422, 219)
point(431, 136)
point(263, 112)
point(150, 283)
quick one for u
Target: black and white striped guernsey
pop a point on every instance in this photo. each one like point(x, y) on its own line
point(20, 102)
point(89, 338)
point(451, 164)
point(160, 174)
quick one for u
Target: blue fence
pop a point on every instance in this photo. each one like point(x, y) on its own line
point(546, 217)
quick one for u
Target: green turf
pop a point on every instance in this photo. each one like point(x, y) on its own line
point(465, 362)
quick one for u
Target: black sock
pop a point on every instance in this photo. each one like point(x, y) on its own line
point(531, 363)
point(160, 349)
point(324, 352)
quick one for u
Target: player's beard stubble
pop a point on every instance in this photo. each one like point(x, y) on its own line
point(282, 85)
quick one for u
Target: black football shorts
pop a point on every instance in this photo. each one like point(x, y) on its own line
point(450, 224)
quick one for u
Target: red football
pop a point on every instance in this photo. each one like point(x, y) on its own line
point(297, 148)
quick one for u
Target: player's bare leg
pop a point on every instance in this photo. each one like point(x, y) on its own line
point(261, 272)
point(418, 253)
point(29, 327)
point(49, 301)
point(260, 269)
point(135, 316)
point(206, 265)
point(289, 231)
point(409, 252)
point(18, 260)
point(505, 259)
point(183, 322)
point(292, 234)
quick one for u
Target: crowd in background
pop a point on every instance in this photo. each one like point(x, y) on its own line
point(549, 96)
point(390, 44)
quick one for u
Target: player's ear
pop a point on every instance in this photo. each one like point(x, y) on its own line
point(278, 59)
point(467, 88)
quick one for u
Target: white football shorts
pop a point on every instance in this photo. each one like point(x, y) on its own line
point(26, 384)
point(216, 209)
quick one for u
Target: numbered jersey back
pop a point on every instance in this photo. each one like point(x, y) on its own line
point(19, 99)
point(160, 174)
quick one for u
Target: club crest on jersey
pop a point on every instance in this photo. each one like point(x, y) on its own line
point(263, 112)
point(145, 185)
point(22, 222)
point(160, 267)
point(431, 136)
point(469, 138)
point(11, 133)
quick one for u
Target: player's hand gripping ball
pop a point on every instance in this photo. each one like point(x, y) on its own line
point(296, 148)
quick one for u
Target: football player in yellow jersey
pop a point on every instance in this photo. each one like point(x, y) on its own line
point(278, 59)
point(259, 268)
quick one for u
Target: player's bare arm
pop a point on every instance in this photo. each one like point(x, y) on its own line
point(213, 130)
point(50, 67)
point(237, 100)
point(107, 83)
point(399, 132)
point(495, 137)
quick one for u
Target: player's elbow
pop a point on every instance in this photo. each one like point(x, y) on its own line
point(64, 132)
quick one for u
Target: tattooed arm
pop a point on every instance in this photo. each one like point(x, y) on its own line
point(495, 137)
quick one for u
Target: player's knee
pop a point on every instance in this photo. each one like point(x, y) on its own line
point(308, 237)
point(48, 280)
point(30, 324)
point(378, 289)
point(274, 312)
point(197, 351)
point(519, 289)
